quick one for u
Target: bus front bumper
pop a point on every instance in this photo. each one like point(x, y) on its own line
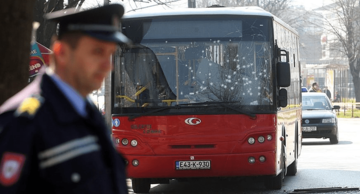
point(225, 165)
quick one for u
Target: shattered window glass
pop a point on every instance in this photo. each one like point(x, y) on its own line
point(206, 59)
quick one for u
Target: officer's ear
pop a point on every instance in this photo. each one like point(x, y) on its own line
point(62, 52)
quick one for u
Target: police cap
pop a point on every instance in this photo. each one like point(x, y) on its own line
point(101, 23)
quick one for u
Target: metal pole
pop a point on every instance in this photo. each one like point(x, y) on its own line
point(107, 93)
point(341, 84)
point(334, 85)
point(191, 3)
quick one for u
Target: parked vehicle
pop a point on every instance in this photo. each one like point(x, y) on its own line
point(318, 117)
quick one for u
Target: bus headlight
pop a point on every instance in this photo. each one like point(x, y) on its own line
point(251, 160)
point(133, 143)
point(251, 140)
point(262, 158)
point(124, 141)
point(135, 162)
point(269, 137)
point(261, 139)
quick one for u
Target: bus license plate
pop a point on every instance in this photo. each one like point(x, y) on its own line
point(308, 129)
point(192, 165)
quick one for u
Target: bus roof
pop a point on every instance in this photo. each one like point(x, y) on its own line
point(252, 10)
point(247, 11)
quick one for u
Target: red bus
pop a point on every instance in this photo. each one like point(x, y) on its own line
point(212, 92)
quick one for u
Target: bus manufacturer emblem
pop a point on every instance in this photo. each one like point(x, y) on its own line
point(307, 121)
point(192, 121)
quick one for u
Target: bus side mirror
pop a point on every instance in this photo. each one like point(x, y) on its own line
point(336, 107)
point(284, 53)
point(282, 98)
point(283, 74)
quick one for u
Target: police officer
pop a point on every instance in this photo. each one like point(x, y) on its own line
point(53, 139)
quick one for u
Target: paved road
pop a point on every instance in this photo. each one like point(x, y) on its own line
point(321, 165)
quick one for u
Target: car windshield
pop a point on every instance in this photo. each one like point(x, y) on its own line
point(315, 103)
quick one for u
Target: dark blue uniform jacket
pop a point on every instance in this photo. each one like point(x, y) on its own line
point(49, 148)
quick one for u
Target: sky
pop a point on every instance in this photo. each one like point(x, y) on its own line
point(308, 4)
point(311, 4)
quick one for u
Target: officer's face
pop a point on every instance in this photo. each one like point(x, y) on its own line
point(89, 63)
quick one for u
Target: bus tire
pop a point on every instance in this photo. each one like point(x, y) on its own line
point(275, 183)
point(141, 185)
point(292, 169)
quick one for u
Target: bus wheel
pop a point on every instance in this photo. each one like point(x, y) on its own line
point(275, 183)
point(141, 185)
point(292, 169)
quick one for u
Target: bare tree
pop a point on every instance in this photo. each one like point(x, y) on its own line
point(310, 27)
point(275, 7)
point(136, 5)
point(48, 29)
point(16, 22)
point(17, 17)
point(345, 26)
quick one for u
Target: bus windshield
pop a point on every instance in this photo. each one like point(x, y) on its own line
point(182, 61)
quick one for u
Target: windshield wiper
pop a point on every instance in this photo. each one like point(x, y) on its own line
point(194, 105)
point(226, 105)
point(178, 106)
point(132, 117)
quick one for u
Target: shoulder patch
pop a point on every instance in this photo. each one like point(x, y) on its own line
point(10, 168)
point(29, 106)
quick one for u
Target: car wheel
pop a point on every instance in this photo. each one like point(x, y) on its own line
point(334, 140)
point(141, 185)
